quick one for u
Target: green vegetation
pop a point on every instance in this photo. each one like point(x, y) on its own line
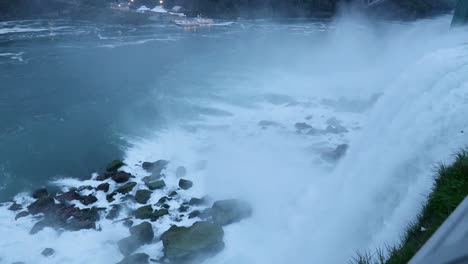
point(450, 188)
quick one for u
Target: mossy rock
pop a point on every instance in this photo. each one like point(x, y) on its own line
point(138, 258)
point(142, 196)
point(185, 184)
point(161, 212)
point(114, 166)
point(128, 187)
point(226, 212)
point(201, 240)
point(155, 185)
point(151, 178)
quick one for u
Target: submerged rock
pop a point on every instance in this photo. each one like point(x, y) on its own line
point(336, 129)
point(227, 212)
point(128, 187)
point(121, 177)
point(128, 245)
point(114, 212)
point(151, 178)
point(197, 201)
point(181, 171)
point(138, 258)
point(302, 126)
point(185, 184)
point(41, 205)
point(47, 252)
point(156, 185)
point(337, 153)
point(39, 193)
point(142, 196)
point(114, 166)
point(143, 232)
point(155, 167)
point(202, 240)
point(21, 214)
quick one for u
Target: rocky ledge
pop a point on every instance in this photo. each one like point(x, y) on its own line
point(117, 195)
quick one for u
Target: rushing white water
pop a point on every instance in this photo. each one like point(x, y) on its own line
point(400, 90)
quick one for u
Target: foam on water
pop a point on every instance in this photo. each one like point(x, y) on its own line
point(307, 209)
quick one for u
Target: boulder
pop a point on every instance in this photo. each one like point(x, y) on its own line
point(126, 188)
point(121, 177)
point(21, 214)
point(69, 196)
point(161, 212)
point(142, 196)
point(145, 212)
point(39, 193)
point(162, 200)
point(41, 205)
point(155, 167)
point(47, 252)
point(114, 165)
point(194, 214)
point(89, 199)
point(103, 187)
point(182, 244)
point(172, 194)
point(185, 184)
point(226, 212)
point(156, 185)
point(151, 178)
point(104, 176)
point(197, 201)
point(15, 207)
point(114, 211)
point(181, 171)
point(143, 232)
point(138, 258)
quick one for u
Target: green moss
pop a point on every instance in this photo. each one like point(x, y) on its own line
point(450, 188)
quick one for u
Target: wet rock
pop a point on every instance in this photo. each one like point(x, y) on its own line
point(89, 199)
point(76, 225)
point(302, 126)
point(85, 187)
point(173, 193)
point(143, 232)
point(336, 154)
point(226, 212)
point(155, 185)
point(15, 207)
point(145, 212)
point(138, 258)
point(194, 214)
point(161, 212)
point(69, 196)
point(47, 252)
point(185, 184)
point(181, 171)
point(128, 245)
point(165, 206)
point(337, 129)
point(104, 176)
point(128, 187)
point(110, 197)
point(196, 201)
point(201, 240)
point(39, 193)
point(37, 227)
point(21, 214)
point(142, 196)
point(41, 205)
point(151, 178)
point(155, 167)
point(128, 223)
point(266, 123)
point(184, 208)
point(114, 212)
point(121, 177)
point(114, 165)
point(103, 187)
point(163, 200)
